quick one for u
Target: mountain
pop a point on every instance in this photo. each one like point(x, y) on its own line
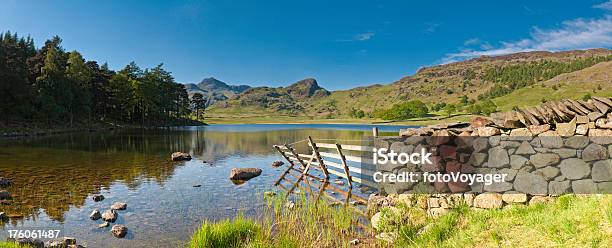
point(213, 85)
point(215, 90)
point(290, 99)
point(486, 77)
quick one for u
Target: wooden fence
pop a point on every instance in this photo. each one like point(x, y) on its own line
point(350, 164)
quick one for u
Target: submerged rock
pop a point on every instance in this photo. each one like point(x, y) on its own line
point(119, 206)
point(60, 243)
point(277, 163)
point(95, 215)
point(244, 173)
point(180, 156)
point(119, 231)
point(103, 225)
point(97, 198)
point(109, 216)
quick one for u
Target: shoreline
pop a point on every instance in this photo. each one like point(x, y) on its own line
point(302, 120)
point(38, 130)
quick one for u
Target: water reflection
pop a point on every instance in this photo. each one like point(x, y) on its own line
point(54, 177)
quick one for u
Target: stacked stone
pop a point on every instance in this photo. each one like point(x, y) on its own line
point(561, 116)
point(556, 148)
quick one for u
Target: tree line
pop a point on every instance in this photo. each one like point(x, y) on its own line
point(512, 77)
point(51, 85)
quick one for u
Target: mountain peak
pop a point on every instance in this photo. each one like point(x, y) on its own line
point(306, 88)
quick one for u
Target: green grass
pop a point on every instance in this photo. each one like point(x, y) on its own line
point(11, 245)
point(569, 222)
point(306, 224)
point(227, 233)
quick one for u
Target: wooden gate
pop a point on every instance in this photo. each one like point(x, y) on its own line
point(314, 172)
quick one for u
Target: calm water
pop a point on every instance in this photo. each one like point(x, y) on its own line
point(54, 178)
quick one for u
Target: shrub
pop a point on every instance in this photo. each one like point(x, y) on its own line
point(403, 111)
point(449, 109)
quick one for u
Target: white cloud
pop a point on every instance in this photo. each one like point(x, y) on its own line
point(573, 34)
point(364, 36)
point(605, 5)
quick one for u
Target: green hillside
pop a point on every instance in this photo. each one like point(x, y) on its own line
point(508, 80)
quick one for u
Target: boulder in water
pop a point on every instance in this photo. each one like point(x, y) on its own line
point(119, 206)
point(180, 156)
point(109, 216)
point(277, 163)
point(95, 215)
point(119, 231)
point(97, 198)
point(244, 173)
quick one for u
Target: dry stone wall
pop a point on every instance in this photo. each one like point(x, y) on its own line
point(557, 148)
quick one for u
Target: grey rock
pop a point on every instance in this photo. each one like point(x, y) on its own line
point(530, 183)
point(577, 142)
point(498, 157)
point(594, 152)
point(558, 188)
point(244, 173)
point(476, 159)
point(574, 168)
point(584, 186)
point(494, 140)
point(548, 172)
point(517, 161)
point(602, 171)
point(119, 206)
point(97, 198)
point(95, 215)
point(510, 173)
point(535, 142)
point(509, 144)
point(480, 144)
point(565, 152)
point(119, 231)
point(544, 159)
point(277, 163)
point(525, 148)
point(109, 216)
point(180, 156)
point(499, 187)
point(550, 139)
point(604, 187)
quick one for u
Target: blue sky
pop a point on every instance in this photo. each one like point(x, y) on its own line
point(343, 44)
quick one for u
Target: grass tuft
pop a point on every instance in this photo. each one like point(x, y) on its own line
point(227, 233)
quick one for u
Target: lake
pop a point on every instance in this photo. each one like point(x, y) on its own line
point(54, 178)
